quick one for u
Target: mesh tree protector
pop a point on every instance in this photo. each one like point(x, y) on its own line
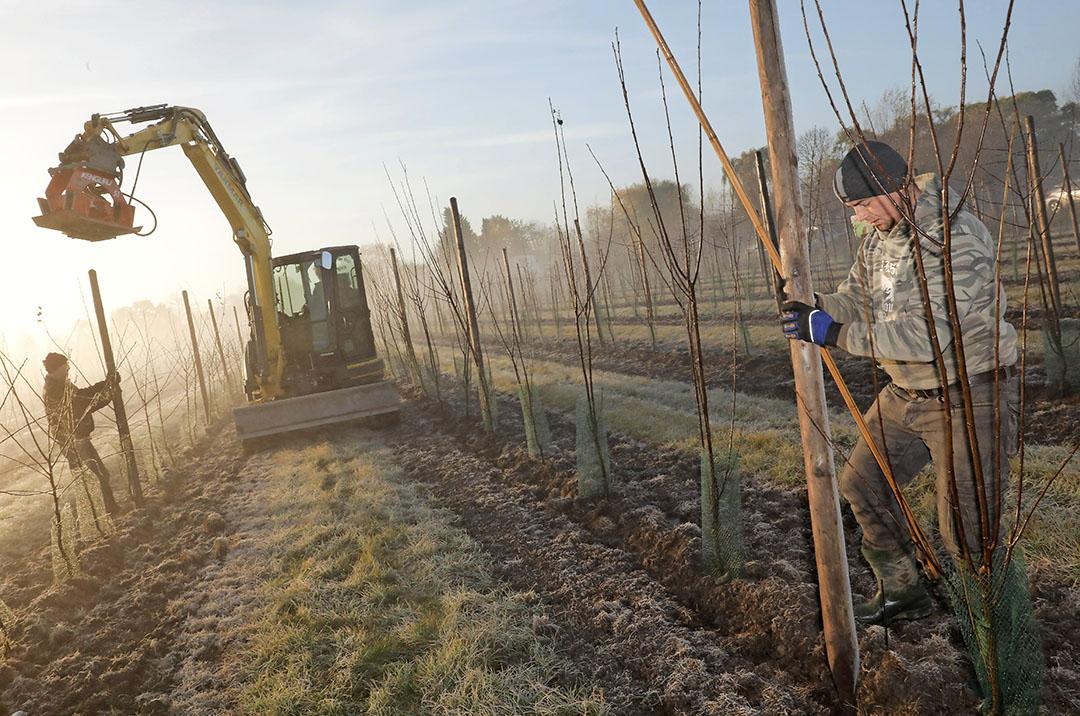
point(723, 543)
point(1061, 356)
point(1000, 632)
point(489, 404)
point(593, 460)
point(537, 430)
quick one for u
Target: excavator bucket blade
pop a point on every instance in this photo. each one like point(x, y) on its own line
point(309, 411)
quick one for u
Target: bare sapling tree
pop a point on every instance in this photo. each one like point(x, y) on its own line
point(438, 255)
point(197, 358)
point(227, 385)
point(412, 363)
point(384, 308)
point(138, 377)
point(638, 260)
point(485, 390)
point(511, 336)
point(185, 370)
point(415, 289)
point(593, 460)
point(682, 253)
point(556, 296)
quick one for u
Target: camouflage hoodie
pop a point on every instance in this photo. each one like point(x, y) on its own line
point(898, 326)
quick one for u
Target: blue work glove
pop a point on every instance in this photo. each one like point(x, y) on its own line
point(809, 324)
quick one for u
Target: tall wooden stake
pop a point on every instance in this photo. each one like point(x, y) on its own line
point(1041, 213)
point(841, 646)
point(770, 223)
point(126, 446)
point(639, 244)
point(198, 360)
point(515, 322)
point(470, 310)
point(220, 350)
point(403, 318)
point(1066, 184)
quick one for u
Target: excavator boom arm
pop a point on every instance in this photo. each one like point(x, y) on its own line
point(75, 203)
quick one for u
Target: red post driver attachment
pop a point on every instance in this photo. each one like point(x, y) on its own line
point(83, 199)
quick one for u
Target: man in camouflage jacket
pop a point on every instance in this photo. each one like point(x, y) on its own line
point(879, 311)
point(70, 414)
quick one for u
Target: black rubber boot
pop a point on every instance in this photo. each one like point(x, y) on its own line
point(899, 595)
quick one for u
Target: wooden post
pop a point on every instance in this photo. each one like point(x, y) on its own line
point(554, 281)
point(1066, 184)
point(515, 322)
point(126, 446)
point(770, 224)
point(535, 300)
point(198, 360)
point(606, 283)
point(639, 244)
point(1041, 214)
point(403, 318)
point(841, 646)
point(590, 295)
point(470, 311)
point(220, 350)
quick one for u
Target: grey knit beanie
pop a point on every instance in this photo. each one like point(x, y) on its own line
point(870, 169)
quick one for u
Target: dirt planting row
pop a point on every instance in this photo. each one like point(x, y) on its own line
point(629, 605)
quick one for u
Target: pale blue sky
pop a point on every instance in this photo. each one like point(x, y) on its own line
point(313, 98)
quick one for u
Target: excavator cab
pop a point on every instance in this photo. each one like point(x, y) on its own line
point(331, 372)
point(324, 321)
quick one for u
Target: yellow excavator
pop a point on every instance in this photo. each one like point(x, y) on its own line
point(310, 358)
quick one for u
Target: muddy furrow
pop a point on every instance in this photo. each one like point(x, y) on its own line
point(768, 623)
point(626, 631)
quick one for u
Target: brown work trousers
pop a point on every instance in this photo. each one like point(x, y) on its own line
point(912, 431)
point(82, 453)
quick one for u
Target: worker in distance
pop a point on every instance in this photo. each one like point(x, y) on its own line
point(880, 310)
point(69, 411)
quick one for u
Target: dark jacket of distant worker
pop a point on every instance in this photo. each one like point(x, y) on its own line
point(879, 310)
point(70, 414)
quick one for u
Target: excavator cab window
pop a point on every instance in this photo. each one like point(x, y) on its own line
point(349, 294)
point(354, 326)
point(302, 309)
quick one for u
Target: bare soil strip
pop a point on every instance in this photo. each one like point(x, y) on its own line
point(630, 607)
